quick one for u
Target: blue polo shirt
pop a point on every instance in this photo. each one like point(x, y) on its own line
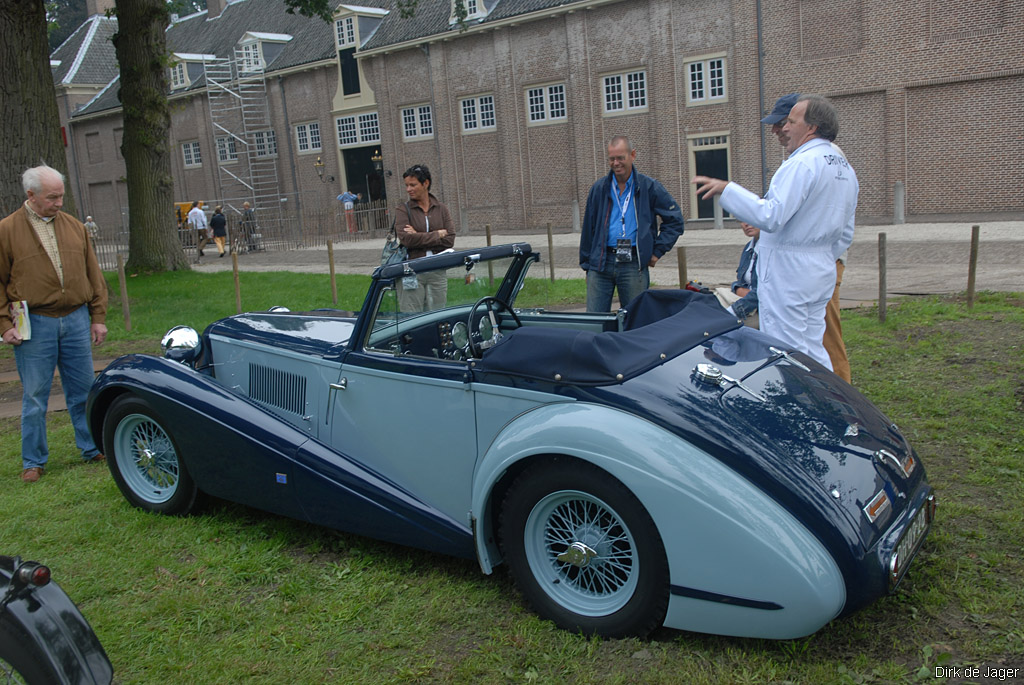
point(622, 222)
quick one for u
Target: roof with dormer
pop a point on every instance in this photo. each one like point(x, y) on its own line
point(87, 56)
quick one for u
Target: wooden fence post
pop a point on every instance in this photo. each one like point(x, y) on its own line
point(681, 258)
point(490, 263)
point(551, 253)
point(125, 312)
point(881, 277)
point(972, 270)
point(330, 260)
point(238, 289)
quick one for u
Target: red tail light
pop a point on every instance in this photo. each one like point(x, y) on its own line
point(33, 574)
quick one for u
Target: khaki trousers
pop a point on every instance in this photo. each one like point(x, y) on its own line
point(833, 339)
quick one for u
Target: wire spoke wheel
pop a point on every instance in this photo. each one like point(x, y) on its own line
point(584, 550)
point(146, 458)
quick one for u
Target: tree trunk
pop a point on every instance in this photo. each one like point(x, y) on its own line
point(30, 134)
point(153, 243)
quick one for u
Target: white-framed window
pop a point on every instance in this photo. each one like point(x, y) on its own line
point(706, 80)
point(307, 137)
point(265, 143)
point(546, 103)
point(251, 60)
point(477, 113)
point(474, 10)
point(417, 122)
point(345, 32)
point(226, 150)
point(369, 128)
point(179, 76)
point(190, 151)
point(358, 129)
point(625, 92)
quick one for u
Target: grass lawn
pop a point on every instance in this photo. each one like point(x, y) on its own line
point(234, 595)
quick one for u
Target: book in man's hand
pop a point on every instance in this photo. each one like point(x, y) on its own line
point(19, 316)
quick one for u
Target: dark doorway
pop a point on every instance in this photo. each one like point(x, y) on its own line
point(713, 163)
point(360, 174)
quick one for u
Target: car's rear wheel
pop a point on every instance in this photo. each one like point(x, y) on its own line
point(144, 459)
point(583, 550)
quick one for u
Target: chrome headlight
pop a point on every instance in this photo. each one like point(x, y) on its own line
point(180, 344)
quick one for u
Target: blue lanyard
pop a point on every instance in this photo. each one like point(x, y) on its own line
point(623, 205)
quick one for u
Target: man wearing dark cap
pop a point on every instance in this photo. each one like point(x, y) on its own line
point(833, 339)
point(806, 221)
point(778, 115)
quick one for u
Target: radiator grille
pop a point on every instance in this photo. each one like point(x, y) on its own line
point(277, 388)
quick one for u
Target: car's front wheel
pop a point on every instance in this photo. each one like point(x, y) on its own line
point(583, 550)
point(144, 459)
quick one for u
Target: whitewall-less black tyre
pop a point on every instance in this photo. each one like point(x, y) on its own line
point(144, 459)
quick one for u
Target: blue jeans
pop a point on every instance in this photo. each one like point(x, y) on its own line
point(64, 343)
point(627, 277)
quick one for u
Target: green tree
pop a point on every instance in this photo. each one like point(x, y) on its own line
point(63, 17)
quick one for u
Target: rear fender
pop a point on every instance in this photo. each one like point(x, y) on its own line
point(717, 528)
point(57, 628)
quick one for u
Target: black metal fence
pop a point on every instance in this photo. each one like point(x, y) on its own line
point(276, 229)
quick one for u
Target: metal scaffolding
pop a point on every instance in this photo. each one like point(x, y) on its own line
point(246, 143)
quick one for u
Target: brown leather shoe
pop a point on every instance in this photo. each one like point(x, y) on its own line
point(98, 459)
point(32, 474)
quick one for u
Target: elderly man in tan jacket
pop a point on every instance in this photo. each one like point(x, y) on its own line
point(47, 262)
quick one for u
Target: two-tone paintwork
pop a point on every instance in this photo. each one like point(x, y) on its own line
point(758, 503)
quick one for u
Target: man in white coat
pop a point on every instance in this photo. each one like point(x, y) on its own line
point(806, 221)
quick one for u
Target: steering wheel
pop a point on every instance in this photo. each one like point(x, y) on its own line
point(487, 323)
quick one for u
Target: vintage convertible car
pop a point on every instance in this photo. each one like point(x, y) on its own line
point(661, 465)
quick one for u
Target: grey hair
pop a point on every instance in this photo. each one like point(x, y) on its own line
point(621, 139)
point(821, 113)
point(32, 179)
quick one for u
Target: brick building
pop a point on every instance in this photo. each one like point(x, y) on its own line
point(511, 109)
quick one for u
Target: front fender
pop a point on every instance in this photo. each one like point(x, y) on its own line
point(739, 563)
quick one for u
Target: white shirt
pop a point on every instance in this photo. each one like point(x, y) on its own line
point(197, 218)
point(810, 204)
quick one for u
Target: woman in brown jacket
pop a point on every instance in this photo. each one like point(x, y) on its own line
point(425, 228)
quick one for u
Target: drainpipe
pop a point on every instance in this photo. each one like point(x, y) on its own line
point(760, 99)
point(291, 150)
point(433, 113)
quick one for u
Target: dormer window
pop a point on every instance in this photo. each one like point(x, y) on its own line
point(345, 32)
point(474, 9)
point(251, 60)
point(179, 77)
point(256, 51)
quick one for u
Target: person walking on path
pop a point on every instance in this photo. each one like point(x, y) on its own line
point(197, 217)
point(620, 238)
point(219, 224)
point(806, 221)
point(47, 262)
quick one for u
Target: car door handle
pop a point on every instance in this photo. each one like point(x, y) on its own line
point(342, 384)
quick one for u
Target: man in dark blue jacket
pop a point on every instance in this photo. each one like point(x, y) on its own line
point(620, 237)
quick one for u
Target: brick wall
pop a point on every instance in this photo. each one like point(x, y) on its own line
point(928, 93)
